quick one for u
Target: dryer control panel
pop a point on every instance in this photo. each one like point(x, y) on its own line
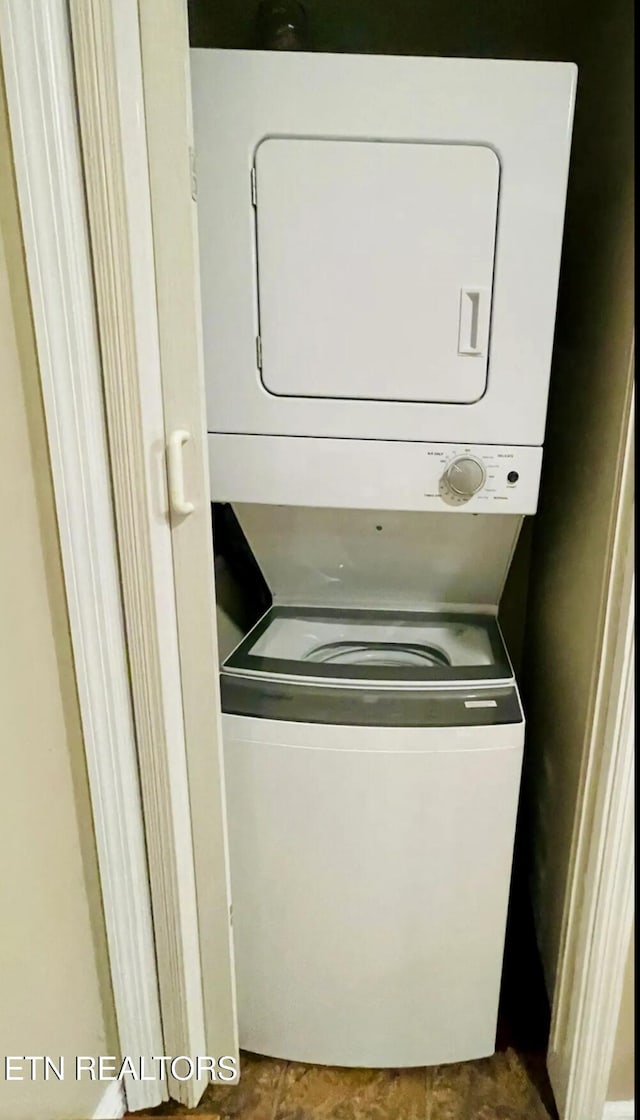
point(374, 474)
point(491, 474)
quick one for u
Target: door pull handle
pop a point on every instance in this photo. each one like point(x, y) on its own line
point(473, 326)
point(175, 470)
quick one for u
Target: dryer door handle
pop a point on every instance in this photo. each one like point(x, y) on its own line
point(175, 470)
point(473, 326)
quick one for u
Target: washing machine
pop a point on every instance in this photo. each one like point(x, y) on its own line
point(380, 245)
point(373, 739)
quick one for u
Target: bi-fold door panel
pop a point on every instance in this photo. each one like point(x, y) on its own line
point(375, 265)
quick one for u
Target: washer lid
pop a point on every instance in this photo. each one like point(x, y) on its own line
point(321, 702)
point(375, 268)
point(365, 647)
point(385, 560)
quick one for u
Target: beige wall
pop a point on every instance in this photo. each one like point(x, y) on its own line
point(54, 983)
point(622, 1079)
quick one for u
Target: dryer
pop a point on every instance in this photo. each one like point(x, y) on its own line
point(380, 243)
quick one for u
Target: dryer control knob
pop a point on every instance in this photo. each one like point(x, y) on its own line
point(465, 476)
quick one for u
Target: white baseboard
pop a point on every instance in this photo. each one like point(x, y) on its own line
point(112, 1105)
point(619, 1110)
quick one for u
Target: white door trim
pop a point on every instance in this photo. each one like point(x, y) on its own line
point(600, 905)
point(619, 1110)
point(112, 1105)
point(35, 41)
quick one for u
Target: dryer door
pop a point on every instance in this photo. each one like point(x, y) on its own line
point(375, 265)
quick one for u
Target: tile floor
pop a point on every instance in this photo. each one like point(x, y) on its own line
point(497, 1088)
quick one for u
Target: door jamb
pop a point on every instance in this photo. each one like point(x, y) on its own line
point(600, 896)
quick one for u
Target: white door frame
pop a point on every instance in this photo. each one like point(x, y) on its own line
point(38, 69)
point(599, 907)
point(119, 580)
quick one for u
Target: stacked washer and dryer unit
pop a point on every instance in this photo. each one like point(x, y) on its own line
point(380, 244)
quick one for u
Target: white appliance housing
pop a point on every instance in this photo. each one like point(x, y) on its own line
point(380, 243)
point(372, 474)
point(372, 800)
point(382, 558)
point(370, 871)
